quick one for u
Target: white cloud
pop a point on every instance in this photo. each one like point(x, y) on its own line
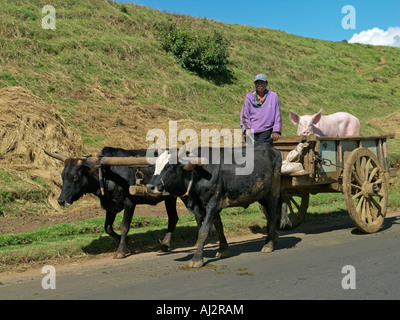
point(378, 37)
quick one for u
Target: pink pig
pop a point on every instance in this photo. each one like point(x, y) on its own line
point(336, 124)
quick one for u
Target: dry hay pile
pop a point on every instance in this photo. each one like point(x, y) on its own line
point(125, 122)
point(202, 134)
point(388, 124)
point(118, 118)
point(27, 127)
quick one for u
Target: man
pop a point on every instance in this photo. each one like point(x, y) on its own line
point(261, 112)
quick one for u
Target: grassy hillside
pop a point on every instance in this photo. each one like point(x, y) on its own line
point(104, 70)
point(104, 56)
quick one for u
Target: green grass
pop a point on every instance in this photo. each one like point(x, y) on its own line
point(21, 193)
point(88, 237)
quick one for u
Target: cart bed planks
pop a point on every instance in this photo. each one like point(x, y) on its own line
point(356, 166)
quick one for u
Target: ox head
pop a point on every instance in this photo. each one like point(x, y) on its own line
point(76, 177)
point(79, 175)
point(305, 124)
point(169, 173)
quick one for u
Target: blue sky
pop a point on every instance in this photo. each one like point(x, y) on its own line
point(320, 19)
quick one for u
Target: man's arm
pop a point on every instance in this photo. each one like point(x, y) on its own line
point(277, 128)
point(244, 117)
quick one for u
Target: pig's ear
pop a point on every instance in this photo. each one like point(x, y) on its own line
point(294, 117)
point(316, 117)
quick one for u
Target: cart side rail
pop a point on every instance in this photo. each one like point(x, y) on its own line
point(284, 140)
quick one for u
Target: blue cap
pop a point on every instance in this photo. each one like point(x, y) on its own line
point(261, 77)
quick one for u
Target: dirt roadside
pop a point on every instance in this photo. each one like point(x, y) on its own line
point(82, 210)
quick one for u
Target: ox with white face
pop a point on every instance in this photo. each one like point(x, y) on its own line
point(214, 185)
point(161, 161)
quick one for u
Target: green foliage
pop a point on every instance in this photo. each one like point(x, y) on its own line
point(201, 52)
point(20, 193)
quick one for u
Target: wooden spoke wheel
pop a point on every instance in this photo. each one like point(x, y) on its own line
point(365, 187)
point(296, 206)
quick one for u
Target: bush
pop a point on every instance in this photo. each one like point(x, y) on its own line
point(205, 54)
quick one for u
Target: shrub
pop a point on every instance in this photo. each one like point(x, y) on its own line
point(203, 53)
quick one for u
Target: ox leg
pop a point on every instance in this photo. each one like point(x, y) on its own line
point(108, 226)
point(199, 221)
point(223, 250)
point(125, 226)
point(197, 261)
point(170, 206)
point(271, 214)
point(198, 212)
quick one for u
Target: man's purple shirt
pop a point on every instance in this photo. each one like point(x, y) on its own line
point(260, 119)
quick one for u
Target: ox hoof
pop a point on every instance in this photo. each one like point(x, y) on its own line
point(223, 253)
point(267, 248)
point(196, 263)
point(119, 255)
point(163, 248)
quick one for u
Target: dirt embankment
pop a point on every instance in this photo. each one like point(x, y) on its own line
point(390, 123)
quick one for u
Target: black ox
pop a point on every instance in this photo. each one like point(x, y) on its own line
point(81, 176)
point(215, 186)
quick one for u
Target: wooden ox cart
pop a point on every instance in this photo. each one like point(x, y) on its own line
point(357, 166)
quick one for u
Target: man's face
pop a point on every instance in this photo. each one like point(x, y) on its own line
point(260, 86)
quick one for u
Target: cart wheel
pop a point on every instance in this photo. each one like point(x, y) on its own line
point(297, 205)
point(365, 187)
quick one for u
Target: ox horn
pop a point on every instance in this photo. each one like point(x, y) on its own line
point(159, 150)
point(182, 151)
point(56, 156)
point(196, 161)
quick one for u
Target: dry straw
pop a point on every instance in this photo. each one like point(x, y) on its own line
point(27, 127)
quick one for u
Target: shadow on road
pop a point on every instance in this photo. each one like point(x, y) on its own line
point(337, 223)
point(287, 239)
point(240, 247)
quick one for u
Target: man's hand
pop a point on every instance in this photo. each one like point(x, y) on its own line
point(275, 136)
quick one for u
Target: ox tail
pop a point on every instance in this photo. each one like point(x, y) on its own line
point(285, 221)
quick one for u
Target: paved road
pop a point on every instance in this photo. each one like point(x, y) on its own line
point(307, 264)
